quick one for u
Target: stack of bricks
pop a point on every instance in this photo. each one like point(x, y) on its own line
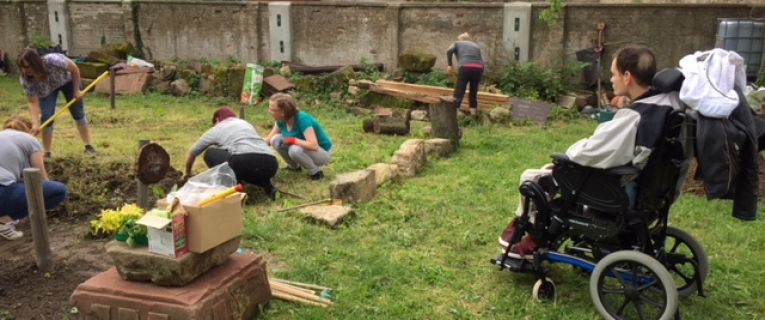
point(233, 290)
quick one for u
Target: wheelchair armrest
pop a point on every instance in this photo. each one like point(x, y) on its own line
point(625, 170)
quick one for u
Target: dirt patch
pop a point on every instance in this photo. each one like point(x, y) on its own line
point(697, 187)
point(25, 292)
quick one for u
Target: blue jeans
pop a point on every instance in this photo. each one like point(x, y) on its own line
point(48, 106)
point(14, 198)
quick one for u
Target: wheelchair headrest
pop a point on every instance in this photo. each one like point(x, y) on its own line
point(668, 80)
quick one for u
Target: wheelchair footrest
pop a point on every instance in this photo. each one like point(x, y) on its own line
point(515, 265)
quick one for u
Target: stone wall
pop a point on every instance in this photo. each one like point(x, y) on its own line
point(329, 33)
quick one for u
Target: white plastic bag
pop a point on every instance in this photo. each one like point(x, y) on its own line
point(133, 61)
point(205, 185)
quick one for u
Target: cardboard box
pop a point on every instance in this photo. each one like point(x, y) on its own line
point(166, 236)
point(213, 224)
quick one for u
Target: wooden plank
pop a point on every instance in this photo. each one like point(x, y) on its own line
point(441, 91)
point(405, 94)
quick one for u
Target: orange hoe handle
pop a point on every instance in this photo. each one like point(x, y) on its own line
point(222, 195)
point(71, 102)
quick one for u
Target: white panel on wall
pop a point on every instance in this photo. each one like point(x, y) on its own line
point(516, 30)
point(58, 19)
point(280, 31)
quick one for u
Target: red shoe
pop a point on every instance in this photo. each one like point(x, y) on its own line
point(524, 249)
point(507, 234)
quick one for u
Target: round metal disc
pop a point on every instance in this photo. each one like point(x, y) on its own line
point(153, 163)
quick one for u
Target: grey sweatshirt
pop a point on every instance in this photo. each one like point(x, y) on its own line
point(466, 51)
point(235, 135)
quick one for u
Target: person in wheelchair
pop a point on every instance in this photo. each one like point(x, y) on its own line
point(628, 139)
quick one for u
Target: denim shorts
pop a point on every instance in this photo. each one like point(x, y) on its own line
point(48, 105)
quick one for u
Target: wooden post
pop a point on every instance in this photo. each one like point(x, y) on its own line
point(37, 218)
point(443, 121)
point(241, 111)
point(112, 75)
point(143, 190)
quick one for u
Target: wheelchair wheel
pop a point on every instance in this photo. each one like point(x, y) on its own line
point(544, 290)
point(682, 248)
point(632, 285)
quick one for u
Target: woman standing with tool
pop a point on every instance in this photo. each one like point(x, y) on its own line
point(469, 69)
point(43, 78)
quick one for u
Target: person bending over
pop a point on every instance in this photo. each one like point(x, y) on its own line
point(43, 78)
point(20, 151)
point(298, 137)
point(236, 141)
point(469, 69)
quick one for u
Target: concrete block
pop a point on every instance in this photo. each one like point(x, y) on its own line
point(232, 291)
point(410, 157)
point(438, 146)
point(332, 215)
point(138, 264)
point(356, 186)
point(384, 172)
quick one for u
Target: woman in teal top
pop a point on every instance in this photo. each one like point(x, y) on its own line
point(298, 137)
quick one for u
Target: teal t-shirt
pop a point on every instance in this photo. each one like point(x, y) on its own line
point(303, 121)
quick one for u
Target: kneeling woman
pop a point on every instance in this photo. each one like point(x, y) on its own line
point(21, 150)
point(235, 141)
point(298, 137)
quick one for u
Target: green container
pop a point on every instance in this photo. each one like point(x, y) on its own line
point(603, 115)
point(140, 240)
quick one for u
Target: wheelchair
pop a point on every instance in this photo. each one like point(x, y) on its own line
point(640, 266)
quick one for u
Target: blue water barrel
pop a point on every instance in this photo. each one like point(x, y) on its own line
point(746, 37)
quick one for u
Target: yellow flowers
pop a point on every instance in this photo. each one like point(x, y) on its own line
point(110, 221)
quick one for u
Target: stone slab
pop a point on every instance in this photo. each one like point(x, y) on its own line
point(356, 186)
point(410, 157)
point(438, 146)
point(231, 291)
point(384, 172)
point(536, 111)
point(138, 264)
point(332, 214)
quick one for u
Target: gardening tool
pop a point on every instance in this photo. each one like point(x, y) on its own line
point(289, 292)
point(323, 201)
point(225, 193)
point(71, 102)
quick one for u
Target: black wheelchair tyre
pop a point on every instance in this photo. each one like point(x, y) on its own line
point(618, 290)
point(679, 241)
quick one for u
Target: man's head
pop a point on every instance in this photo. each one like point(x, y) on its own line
point(632, 71)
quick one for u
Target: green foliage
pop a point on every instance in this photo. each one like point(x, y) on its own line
point(132, 230)
point(553, 13)
point(369, 72)
point(433, 78)
point(40, 41)
point(529, 80)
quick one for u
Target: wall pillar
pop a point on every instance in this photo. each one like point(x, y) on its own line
point(516, 30)
point(280, 31)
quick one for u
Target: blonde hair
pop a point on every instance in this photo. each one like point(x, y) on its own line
point(286, 103)
point(18, 123)
point(464, 37)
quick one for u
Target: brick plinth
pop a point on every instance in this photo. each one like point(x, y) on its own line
point(231, 291)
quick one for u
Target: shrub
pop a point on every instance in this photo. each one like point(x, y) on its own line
point(529, 80)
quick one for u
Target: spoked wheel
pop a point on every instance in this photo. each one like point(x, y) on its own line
point(632, 285)
point(544, 290)
point(682, 252)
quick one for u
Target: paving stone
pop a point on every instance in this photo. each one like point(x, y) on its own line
point(356, 186)
point(384, 172)
point(438, 146)
point(332, 214)
point(138, 264)
point(231, 291)
point(410, 157)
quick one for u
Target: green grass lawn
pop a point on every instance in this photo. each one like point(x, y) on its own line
point(420, 249)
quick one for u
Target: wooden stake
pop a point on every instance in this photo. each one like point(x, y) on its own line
point(37, 218)
point(300, 284)
point(287, 297)
point(306, 205)
point(142, 189)
point(295, 292)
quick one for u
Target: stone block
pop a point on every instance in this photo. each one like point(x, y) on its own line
point(180, 88)
point(419, 115)
point(438, 146)
point(416, 61)
point(384, 172)
point(536, 111)
point(410, 157)
point(138, 264)
point(332, 215)
point(231, 291)
point(500, 115)
point(92, 70)
point(356, 186)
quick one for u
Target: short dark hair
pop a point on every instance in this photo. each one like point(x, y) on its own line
point(639, 61)
point(286, 103)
